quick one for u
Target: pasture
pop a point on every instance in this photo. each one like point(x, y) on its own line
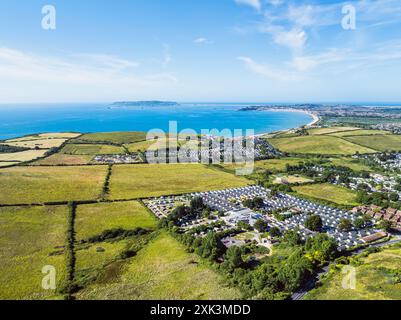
point(378, 142)
point(360, 133)
point(31, 238)
point(328, 192)
point(22, 156)
point(319, 144)
point(142, 181)
point(64, 159)
point(373, 280)
point(161, 270)
point(47, 184)
point(331, 130)
point(38, 143)
point(114, 137)
point(91, 149)
point(93, 219)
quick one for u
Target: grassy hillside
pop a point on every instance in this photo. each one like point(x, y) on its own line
point(31, 238)
point(45, 184)
point(161, 270)
point(139, 181)
point(319, 144)
point(328, 192)
point(374, 280)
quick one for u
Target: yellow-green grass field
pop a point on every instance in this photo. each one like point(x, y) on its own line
point(64, 159)
point(142, 181)
point(22, 156)
point(319, 144)
point(6, 164)
point(91, 149)
point(31, 238)
point(291, 179)
point(360, 133)
point(93, 219)
point(373, 280)
point(60, 135)
point(39, 143)
point(350, 163)
point(48, 184)
point(274, 165)
point(328, 192)
point(331, 130)
point(114, 137)
point(378, 142)
point(161, 270)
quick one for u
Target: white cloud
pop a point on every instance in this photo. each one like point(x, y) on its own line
point(268, 71)
point(68, 75)
point(202, 40)
point(276, 2)
point(256, 4)
point(294, 39)
point(166, 56)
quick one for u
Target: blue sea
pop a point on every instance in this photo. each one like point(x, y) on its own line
point(19, 120)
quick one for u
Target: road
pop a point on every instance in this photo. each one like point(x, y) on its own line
point(300, 294)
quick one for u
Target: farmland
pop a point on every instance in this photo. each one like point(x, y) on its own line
point(373, 280)
point(161, 270)
point(64, 159)
point(328, 192)
point(47, 184)
point(319, 144)
point(92, 219)
point(113, 137)
point(378, 142)
point(31, 238)
point(22, 156)
point(38, 143)
point(137, 181)
point(331, 130)
point(91, 149)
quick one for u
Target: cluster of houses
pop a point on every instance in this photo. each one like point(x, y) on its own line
point(219, 150)
point(392, 163)
point(294, 211)
point(117, 159)
point(378, 213)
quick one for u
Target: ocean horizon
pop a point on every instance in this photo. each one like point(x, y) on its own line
point(98, 117)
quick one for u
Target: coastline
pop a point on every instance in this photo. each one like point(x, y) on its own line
point(315, 120)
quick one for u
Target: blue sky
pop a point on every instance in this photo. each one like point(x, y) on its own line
point(200, 50)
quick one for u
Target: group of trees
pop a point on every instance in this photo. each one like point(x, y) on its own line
point(255, 203)
point(381, 199)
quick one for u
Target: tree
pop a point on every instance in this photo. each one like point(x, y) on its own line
point(292, 237)
point(275, 232)
point(321, 247)
point(206, 213)
point(345, 225)
point(197, 204)
point(260, 225)
point(385, 225)
point(211, 247)
point(314, 223)
point(244, 226)
point(359, 223)
point(233, 258)
point(393, 196)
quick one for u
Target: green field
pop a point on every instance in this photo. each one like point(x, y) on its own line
point(47, 184)
point(378, 142)
point(360, 133)
point(350, 163)
point(141, 181)
point(319, 144)
point(114, 137)
point(92, 219)
point(331, 130)
point(64, 159)
point(373, 280)
point(328, 192)
point(29, 239)
point(162, 270)
point(91, 149)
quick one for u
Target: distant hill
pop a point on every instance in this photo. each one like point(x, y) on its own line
point(144, 104)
